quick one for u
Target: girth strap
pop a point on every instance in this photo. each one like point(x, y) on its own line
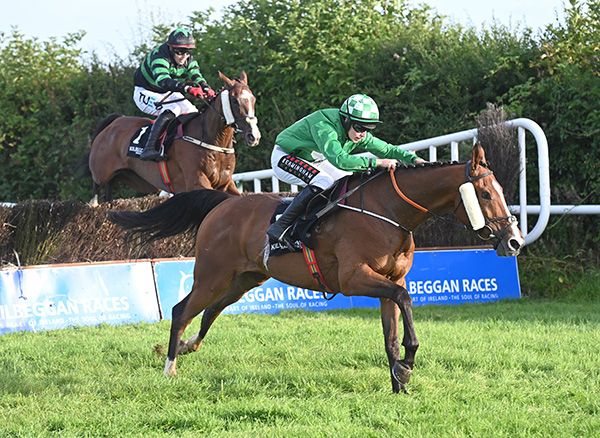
point(313, 267)
point(164, 174)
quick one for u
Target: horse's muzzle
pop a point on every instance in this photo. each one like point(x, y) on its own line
point(252, 139)
point(511, 242)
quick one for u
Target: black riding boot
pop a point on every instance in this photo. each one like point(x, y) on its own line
point(278, 230)
point(150, 151)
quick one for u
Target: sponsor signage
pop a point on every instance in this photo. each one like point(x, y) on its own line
point(462, 276)
point(437, 277)
point(42, 298)
point(46, 298)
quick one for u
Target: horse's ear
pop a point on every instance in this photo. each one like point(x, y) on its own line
point(225, 79)
point(244, 77)
point(478, 155)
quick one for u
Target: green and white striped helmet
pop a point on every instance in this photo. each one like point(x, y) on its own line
point(360, 108)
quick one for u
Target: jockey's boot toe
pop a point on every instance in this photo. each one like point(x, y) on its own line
point(274, 232)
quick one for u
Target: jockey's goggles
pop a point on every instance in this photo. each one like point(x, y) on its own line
point(362, 128)
point(181, 51)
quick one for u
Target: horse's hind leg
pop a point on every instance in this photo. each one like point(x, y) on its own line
point(95, 190)
point(208, 317)
point(240, 286)
point(185, 311)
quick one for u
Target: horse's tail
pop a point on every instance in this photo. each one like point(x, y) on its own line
point(82, 166)
point(104, 123)
point(183, 212)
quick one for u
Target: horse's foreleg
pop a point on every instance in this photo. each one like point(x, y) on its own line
point(390, 314)
point(367, 282)
point(402, 370)
point(409, 340)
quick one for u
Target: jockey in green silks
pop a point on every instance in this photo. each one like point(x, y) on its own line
point(321, 148)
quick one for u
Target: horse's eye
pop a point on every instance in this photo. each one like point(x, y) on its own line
point(486, 195)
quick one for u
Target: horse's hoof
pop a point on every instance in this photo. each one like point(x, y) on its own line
point(170, 368)
point(401, 373)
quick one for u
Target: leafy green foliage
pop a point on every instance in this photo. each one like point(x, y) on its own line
point(50, 105)
point(563, 97)
point(428, 76)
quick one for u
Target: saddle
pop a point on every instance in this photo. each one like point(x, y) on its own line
point(301, 230)
point(174, 130)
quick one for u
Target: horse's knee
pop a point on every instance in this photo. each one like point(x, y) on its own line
point(404, 296)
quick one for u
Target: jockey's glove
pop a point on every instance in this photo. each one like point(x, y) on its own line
point(209, 91)
point(196, 92)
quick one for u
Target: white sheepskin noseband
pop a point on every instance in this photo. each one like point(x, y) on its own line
point(469, 198)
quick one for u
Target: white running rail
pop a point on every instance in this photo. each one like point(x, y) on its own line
point(543, 210)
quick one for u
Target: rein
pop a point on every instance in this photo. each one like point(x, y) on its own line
point(470, 178)
point(403, 196)
point(227, 117)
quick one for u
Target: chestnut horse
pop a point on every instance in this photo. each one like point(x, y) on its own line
point(203, 158)
point(359, 254)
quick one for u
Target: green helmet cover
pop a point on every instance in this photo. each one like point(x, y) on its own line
point(360, 108)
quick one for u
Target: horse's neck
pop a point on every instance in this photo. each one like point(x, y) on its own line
point(211, 128)
point(433, 188)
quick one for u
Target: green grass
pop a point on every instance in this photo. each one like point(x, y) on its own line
point(523, 368)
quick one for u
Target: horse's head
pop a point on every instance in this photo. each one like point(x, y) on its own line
point(238, 109)
point(485, 209)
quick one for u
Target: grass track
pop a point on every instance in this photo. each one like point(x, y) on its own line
point(524, 368)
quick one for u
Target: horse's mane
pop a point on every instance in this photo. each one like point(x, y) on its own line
point(363, 176)
point(431, 164)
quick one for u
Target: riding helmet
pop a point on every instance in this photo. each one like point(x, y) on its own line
point(181, 38)
point(360, 108)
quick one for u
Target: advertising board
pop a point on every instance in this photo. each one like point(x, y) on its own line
point(46, 298)
point(437, 277)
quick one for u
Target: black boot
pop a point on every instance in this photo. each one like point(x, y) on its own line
point(150, 151)
point(278, 231)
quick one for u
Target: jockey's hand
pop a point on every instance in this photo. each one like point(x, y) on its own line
point(197, 92)
point(210, 92)
point(420, 160)
point(386, 163)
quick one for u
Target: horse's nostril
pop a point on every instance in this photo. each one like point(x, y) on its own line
point(514, 244)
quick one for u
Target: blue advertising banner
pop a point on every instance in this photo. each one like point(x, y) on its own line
point(46, 298)
point(462, 276)
point(437, 277)
point(174, 281)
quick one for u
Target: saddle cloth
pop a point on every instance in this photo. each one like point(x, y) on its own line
point(173, 131)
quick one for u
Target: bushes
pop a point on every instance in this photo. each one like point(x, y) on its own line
point(428, 76)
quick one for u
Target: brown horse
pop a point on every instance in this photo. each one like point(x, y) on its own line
point(203, 158)
point(366, 252)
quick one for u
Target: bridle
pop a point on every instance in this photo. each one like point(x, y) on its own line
point(487, 233)
point(484, 233)
point(228, 117)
